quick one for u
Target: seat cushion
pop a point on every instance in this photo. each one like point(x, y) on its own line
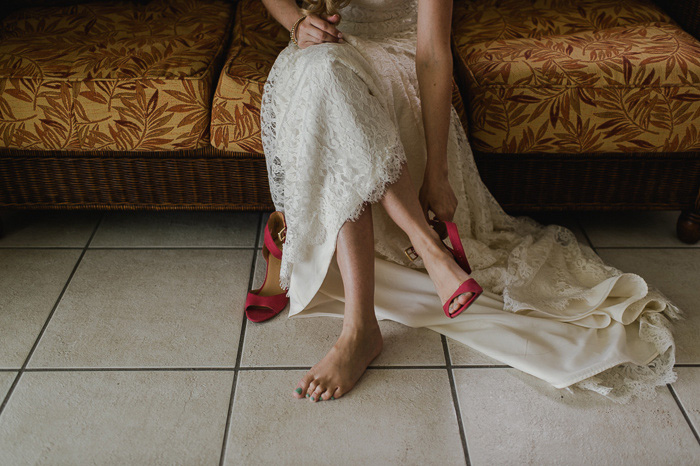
point(257, 40)
point(111, 76)
point(577, 76)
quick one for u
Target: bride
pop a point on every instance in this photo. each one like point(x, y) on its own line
point(370, 165)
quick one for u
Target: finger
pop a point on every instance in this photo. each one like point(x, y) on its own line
point(332, 18)
point(322, 36)
point(311, 34)
point(323, 26)
point(423, 204)
point(426, 207)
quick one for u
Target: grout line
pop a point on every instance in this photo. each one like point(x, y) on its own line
point(685, 415)
point(41, 247)
point(697, 248)
point(306, 368)
point(583, 230)
point(124, 369)
point(480, 366)
point(97, 228)
point(132, 248)
point(455, 399)
point(241, 338)
point(48, 319)
point(221, 368)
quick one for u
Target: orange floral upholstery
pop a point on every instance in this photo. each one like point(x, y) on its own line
point(257, 40)
point(577, 76)
point(111, 75)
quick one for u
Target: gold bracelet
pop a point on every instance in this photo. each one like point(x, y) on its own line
point(294, 28)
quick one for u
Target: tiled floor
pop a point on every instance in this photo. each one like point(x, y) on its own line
point(123, 341)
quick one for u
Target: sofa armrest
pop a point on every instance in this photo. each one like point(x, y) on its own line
point(684, 12)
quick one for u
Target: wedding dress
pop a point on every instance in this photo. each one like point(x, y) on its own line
point(339, 120)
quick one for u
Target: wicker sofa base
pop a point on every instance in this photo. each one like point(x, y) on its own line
point(210, 179)
point(204, 179)
point(643, 181)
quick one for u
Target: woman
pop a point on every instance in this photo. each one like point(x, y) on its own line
point(363, 147)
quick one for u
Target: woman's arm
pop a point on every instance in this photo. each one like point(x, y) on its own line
point(314, 29)
point(286, 12)
point(434, 71)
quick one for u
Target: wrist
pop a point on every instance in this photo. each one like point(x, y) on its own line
point(436, 170)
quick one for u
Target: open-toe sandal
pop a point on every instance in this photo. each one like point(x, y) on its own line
point(448, 229)
point(270, 299)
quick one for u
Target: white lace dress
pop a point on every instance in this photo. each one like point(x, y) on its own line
point(339, 120)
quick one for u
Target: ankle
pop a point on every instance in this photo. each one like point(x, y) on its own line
point(358, 327)
point(428, 244)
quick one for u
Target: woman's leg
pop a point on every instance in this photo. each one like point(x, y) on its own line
point(401, 203)
point(360, 340)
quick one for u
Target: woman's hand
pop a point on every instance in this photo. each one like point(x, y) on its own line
point(437, 195)
point(315, 29)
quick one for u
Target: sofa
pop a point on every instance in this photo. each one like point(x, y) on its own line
point(155, 104)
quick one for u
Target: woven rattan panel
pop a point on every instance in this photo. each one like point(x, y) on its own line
point(203, 179)
point(592, 181)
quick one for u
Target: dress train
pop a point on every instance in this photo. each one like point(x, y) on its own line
point(339, 121)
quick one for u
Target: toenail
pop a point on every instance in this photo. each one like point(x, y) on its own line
point(307, 395)
point(332, 398)
point(298, 390)
point(312, 398)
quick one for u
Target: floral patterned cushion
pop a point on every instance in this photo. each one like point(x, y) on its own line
point(257, 40)
point(111, 75)
point(577, 76)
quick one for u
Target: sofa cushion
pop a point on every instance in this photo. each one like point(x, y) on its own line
point(257, 40)
point(577, 76)
point(119, 76)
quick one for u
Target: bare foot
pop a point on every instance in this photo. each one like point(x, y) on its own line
point(340, 369)
point(444, 270)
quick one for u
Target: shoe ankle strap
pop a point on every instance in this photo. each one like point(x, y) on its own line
point(269, 240)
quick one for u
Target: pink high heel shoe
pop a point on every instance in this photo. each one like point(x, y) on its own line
point(449, 229)
point(267, 301)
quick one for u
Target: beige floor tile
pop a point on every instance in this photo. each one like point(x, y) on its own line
point(463, 354)
point(513, 418)
point(116, 417)
point(676, 272)
point(392, 416)
point(6, 379)
point(30, 282)
point(146, 308)
point(177, 229)
point(688, 390)
point(281, 341)
point(48, 228)
point(265, 217)
point(632, 228)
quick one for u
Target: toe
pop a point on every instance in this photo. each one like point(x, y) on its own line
point(337, 393)
point(317, 393)
point(312, 386)
point(327, 394)
point(303, 385)
point(459, 301)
